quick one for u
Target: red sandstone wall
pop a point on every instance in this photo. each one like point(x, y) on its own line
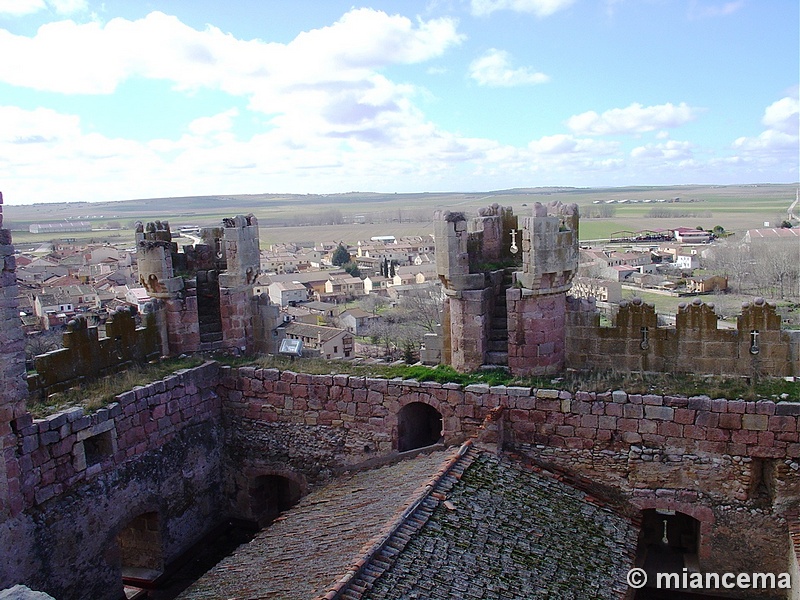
point(157, 449)
point(52, 453)
point(694, 345)
point(731, 464)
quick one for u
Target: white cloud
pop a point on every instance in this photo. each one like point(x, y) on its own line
point(782, 119)
point(494, 69)
point(68, 7)
point(669, 151)
point(783, 116)
point(93, 58)
point(41, 126)
point(18, 8)
point(219, 123)
point(323, 92)
point(540, 8)
point(633, 119)
point(702, 10)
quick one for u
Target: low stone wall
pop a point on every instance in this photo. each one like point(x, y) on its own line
point(157, 449)
point(316, 424)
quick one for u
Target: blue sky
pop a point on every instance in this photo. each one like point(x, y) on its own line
point(121, 99)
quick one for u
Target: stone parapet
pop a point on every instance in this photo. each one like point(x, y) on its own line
point(635, 342)
point(86, 356)
point(69, 447)
point(549, 247)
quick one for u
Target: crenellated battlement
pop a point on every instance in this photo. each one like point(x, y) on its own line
point(635, 341)
point(85, 355)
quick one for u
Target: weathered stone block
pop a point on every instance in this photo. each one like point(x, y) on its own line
point(664, 413)
point(756, 422)
point(730, 421)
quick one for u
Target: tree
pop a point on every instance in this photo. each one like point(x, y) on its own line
point(40, 343)
point(422, 306)
point(778, 267)
point(372, 303)
point(340, 256)
point(391, 270)
point(351, 268)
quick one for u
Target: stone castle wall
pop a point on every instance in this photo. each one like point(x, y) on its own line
point(548, 331)
point(84, 477)
point(189, 447)
point(757, 347)
point(732, 465)
point(85, 355)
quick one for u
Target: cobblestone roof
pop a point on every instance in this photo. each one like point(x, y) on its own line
point(503, 532)
point(456, 526)
point(308, 549)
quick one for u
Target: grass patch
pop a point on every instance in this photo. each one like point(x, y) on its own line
point(772, 388)
point(97, 394)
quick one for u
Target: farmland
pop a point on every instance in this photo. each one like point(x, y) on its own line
point(353, 216)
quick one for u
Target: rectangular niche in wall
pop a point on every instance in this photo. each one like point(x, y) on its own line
point(97, 448)
point(97, 444)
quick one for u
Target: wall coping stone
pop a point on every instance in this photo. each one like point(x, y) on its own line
point(477, 388)
point(515, 390)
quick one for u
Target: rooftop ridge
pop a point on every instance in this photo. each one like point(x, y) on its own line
point(392, 541)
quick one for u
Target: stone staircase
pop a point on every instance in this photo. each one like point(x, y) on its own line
point(497, 353)
point(208, 313)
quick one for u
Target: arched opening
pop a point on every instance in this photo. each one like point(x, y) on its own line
point(270, 495)
point(140, 550)
point(418, 425)
point(668, 543)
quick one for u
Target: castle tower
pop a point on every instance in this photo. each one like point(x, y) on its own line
point(243, 257)
point(214, 309)
point(472, 258)
point(176, 306)
point(13, 387)
point(537, 305)
point(506, 280)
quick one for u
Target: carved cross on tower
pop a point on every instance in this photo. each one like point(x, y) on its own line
point(514, 248)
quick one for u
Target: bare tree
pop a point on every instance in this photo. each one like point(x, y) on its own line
point(778, 266)
point(42, 342)
point(372, 303)
point(735, 262)
point(423, 307)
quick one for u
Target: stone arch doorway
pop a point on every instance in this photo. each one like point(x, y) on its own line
point(418, 425)
point(140, 549)
point(669, 541)
point(270, 495)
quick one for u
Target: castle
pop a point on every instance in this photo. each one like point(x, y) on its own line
point(83, 497)
point(507, 278)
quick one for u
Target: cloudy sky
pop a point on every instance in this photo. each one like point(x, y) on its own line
point(128, 99)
